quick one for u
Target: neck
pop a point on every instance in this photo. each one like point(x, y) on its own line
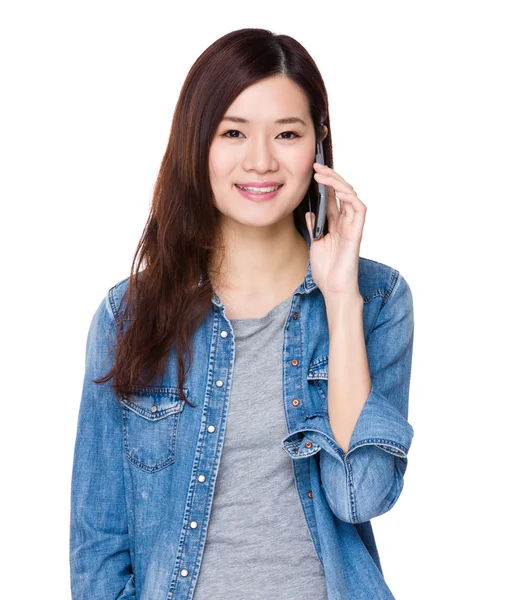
point(257, 260)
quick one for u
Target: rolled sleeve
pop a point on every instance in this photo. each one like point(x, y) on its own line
point(367, 481)
point(100, 562)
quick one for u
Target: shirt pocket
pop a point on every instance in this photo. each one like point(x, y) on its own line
point(150, 427)
point(316, 402)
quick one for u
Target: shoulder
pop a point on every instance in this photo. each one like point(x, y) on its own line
point(116, 296)
point(113, 302)
point(382, 282)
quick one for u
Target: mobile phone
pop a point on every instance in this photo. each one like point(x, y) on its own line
point(320, 209)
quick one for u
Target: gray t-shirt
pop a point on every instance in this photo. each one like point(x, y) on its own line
point(258, 546)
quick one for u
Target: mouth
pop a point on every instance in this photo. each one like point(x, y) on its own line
point(261, 194)
point(259, 190)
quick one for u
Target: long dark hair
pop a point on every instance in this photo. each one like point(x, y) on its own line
point(164, 304)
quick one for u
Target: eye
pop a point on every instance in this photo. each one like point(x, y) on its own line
point(230, 131)
point(293, 133)
point(236, 137)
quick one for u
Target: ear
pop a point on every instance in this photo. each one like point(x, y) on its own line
point(324, 130)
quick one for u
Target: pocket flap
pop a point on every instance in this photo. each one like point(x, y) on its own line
point(318, 368)
point(154, 405)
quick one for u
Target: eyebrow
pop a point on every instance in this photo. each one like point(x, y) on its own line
point(284, 121)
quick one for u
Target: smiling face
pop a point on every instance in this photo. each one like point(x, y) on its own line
point(250, 147)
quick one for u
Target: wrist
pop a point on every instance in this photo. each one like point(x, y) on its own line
point(344, 298)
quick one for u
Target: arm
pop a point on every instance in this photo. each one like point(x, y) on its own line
point(100, 564)
point(349, 382)
point(367, 481)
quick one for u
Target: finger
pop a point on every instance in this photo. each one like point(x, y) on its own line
point(348, 209)
point(332, 210)
point(330, 178)
point(339, 191)
point(354, 209)
point(325, 170)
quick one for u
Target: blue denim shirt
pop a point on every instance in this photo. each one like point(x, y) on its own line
point(144, 469)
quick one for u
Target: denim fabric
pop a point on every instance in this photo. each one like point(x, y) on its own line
point(144, 469)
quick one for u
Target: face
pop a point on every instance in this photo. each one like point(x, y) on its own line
point(252, 149)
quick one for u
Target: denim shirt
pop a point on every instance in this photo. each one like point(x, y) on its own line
point(144, 468)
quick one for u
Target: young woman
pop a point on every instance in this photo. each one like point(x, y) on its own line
point(245, 399)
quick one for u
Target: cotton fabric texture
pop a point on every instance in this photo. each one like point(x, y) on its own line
point(256, 513)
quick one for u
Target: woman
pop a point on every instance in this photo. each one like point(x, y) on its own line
point(241, 322)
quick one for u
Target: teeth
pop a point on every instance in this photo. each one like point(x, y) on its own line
point(256, 190)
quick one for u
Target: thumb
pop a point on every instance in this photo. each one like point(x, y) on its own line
point(309, 222)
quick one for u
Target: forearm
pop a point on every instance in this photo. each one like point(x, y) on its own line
point(349, 382)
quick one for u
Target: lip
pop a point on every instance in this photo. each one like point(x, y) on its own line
point(259, 197)
point(260, 183)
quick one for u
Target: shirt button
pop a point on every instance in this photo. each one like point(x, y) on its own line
point(295, 316)
point(201, 478)
point(211, 428)
point(219, 383)
point(294, 362)
point(295, 402)
point(184, 572)
point(154, 408)
point(193, 524)
point(310, 495)
point(224, 334)
point(308, 445)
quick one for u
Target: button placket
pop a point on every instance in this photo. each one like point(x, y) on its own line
point(202, 477)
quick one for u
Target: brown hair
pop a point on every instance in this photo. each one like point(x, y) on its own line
point(164, 302)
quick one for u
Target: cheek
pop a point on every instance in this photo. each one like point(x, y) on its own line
point(302, 160)
point(213, 167)
point(304, 166)
point(220, 166)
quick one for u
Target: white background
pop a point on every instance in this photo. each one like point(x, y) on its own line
point(417, 100)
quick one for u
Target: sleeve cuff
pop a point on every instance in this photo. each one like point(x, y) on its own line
point(379, 424)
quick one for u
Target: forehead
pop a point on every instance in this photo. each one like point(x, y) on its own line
point(270, 99)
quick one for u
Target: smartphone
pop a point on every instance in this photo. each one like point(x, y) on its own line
point(320, 209)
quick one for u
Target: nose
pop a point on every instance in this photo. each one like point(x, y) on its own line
point(260, 156)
